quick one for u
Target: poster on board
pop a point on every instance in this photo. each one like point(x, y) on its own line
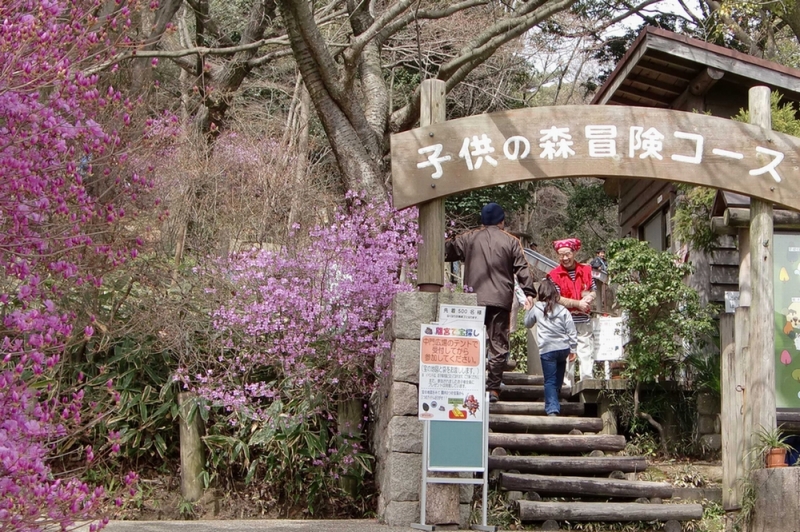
point(786, 298)
point(451, 375)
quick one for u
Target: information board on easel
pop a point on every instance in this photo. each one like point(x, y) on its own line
point(453, 402)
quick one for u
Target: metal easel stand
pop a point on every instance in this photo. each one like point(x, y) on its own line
point(439, 480)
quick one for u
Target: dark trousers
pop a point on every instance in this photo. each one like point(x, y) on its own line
point(497, 321)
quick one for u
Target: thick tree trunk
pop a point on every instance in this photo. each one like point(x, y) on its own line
point(352, 141)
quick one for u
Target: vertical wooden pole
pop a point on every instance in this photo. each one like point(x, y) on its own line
point(759, 408)
point(192, 460)
point(430, 274)
point(349, 416)
point(734, 330)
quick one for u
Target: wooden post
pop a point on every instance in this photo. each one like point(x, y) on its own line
point(191, 438)
point(759, 407)
point(349, 417)
point(734, 330)
point(430, 266)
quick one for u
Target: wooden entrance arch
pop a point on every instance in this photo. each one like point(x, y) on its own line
point(443, 158)
point(594, 141)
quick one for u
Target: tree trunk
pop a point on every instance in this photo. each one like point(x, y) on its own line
point(353, 143)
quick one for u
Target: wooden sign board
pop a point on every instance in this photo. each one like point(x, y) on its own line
point(594, 141)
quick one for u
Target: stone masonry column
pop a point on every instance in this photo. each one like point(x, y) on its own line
point(397, 438)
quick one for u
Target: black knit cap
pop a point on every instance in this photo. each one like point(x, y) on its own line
point(492, 214)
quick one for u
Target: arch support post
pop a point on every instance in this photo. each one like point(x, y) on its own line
point(759, 405)
point(430, 274)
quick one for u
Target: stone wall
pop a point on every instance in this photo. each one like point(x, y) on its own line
point(397, 432)
point(708, 422)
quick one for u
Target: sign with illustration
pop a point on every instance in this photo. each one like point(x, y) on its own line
point(594, 141)
point(787, 320)
point(451, 375)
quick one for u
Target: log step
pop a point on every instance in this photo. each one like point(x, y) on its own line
point(512, 377)
point(524, 392)
point(533, 408)
point(569, 465)
point(543, 424)
point(607, 511)
point(557, 443)
point(581, 486)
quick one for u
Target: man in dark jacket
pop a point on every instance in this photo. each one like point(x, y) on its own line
point(492, 259)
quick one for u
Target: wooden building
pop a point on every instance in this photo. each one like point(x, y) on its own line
point(665, 70)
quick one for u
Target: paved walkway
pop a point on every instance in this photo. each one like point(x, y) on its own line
point(266, 525)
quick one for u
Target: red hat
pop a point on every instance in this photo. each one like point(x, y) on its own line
point(572, 243)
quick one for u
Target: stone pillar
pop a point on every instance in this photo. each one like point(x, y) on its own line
point(397, 438)
point(708, 422)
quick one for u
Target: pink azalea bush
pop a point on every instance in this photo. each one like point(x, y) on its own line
point(300, 326)
point(311, 314)
point(63, 196)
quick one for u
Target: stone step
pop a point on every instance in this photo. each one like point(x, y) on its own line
point(559, 443)
point(607, 511)
point(581, 486)
point(542, 424)
point(569, 465)
point(528, 392)
point(527, 408)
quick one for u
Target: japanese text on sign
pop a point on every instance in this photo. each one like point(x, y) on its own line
point(596, 141)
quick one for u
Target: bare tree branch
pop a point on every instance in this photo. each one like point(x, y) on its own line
point(426, 14)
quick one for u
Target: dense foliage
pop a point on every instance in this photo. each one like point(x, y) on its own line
point(65, 194)
point(665, 318)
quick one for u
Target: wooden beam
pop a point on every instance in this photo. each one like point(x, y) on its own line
point(718, 226)
point(697, 88)
point(569, 465)
point(559, 442)
point(674, 88)
point(430, 262)
point(518, 392)
point(759, 408)
point(582, 486)
point(522, 408)
point(644, 96)
point(607, 511)
point(663, 71)
point(543, 424)
point(736, 217)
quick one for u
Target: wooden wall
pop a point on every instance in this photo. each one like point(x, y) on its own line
point(639, 199)
point(715, 273)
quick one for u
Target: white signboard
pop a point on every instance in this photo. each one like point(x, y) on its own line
point(469, 315)
point(451, 373)
point(608, 338)
point(731, 302)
